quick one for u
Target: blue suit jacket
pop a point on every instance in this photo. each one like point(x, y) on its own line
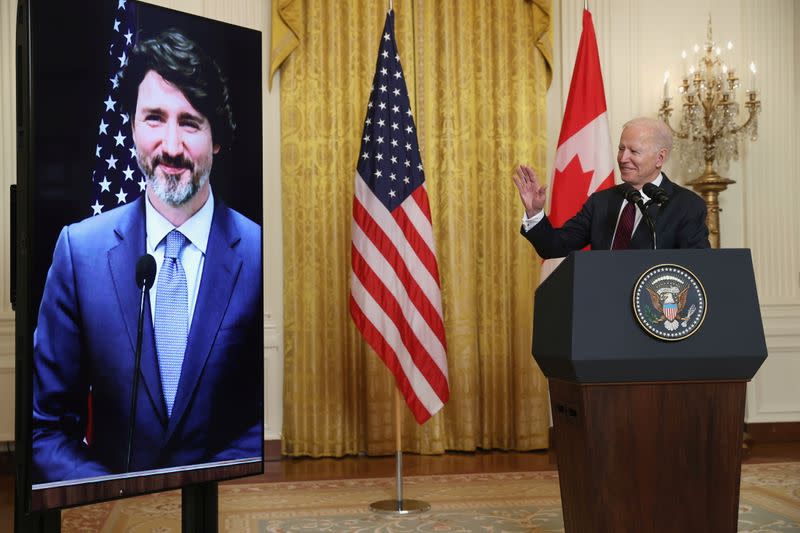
point(86, 337)
point(679, 224)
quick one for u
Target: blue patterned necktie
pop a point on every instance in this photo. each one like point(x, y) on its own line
point(172, 316)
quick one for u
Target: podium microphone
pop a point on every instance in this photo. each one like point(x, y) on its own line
point(145, 276)
point(656, 193)
point(635, 197)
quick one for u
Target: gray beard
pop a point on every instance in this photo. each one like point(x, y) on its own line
point(170, 191)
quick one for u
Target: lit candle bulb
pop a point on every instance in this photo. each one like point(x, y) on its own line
point(725, 88)
point(666, 85)
point(730, 45)
point(753, 77)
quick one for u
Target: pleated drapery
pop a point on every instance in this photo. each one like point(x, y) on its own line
point(477, 74)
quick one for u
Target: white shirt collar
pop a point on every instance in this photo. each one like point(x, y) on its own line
point(196, 229)
point(656, 182)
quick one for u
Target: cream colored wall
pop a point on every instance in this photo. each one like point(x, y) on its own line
point(253, 14)
point(8, 172)
point(638, 40)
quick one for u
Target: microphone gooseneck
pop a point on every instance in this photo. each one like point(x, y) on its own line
point(658, 195)
point(145, 277)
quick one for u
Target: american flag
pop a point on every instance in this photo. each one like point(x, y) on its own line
point(116, 175)
point(395, 295)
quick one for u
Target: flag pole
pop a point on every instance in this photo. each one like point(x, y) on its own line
point(399, 506)
point(376, 321)
point(398, 446)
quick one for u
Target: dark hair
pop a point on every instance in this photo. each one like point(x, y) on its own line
point(180, 61)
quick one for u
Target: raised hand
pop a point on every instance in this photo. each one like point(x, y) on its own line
point(532, 194)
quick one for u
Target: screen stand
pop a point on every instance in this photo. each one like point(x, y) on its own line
point(199, 508)
point(198, 513)
point(38, 522)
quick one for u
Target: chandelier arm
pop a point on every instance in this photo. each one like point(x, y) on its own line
point(752, 114)
point(665, 113)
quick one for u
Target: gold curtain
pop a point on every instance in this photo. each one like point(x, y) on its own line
point(477, 75)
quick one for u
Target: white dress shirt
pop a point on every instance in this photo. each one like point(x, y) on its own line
point(528, 223)
point(196, 230)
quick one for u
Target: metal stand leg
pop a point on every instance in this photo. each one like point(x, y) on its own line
point(399, 507)
point(199, 509)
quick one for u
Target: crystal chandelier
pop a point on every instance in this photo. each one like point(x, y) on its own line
point(708, 133)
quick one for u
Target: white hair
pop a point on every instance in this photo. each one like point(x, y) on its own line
point(659, 134)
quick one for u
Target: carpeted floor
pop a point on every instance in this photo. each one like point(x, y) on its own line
point(508, 502)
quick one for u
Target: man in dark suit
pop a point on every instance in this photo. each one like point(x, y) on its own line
point(200, 399)
point(607, 221)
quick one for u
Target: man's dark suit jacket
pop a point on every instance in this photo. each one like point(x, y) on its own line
point(86, 337)
point(679, 224)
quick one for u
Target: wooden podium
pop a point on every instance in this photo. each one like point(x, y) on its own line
point(648, 431)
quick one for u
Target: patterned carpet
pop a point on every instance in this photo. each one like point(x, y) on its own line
point(507, 502)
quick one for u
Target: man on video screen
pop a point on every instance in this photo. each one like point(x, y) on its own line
point(199, 398)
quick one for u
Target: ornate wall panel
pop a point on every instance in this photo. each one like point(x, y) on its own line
point(7, 385)
point(8, 172)
point(8, 146)
point(772, 395)
point(771, 188)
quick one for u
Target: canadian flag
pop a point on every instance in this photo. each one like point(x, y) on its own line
point(584, 161)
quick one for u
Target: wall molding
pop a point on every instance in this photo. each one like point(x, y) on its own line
point(7, 398)
point(273, 379)
point(273, 334)
point(782, 326)
point(7, 339)
point(761, 433)
point(770, 395)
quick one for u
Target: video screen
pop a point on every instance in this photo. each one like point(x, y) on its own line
point(146, 192)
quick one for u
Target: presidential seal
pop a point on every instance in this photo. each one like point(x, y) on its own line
point(669, 302)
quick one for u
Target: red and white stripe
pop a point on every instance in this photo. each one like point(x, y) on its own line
point(584, 145)
point(395, 295)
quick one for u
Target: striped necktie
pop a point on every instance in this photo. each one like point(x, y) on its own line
point(622, 237)
point(172, 316)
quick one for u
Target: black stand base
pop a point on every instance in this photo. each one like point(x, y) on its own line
point(199, 509)
point(199, 513)
point(41, 522)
